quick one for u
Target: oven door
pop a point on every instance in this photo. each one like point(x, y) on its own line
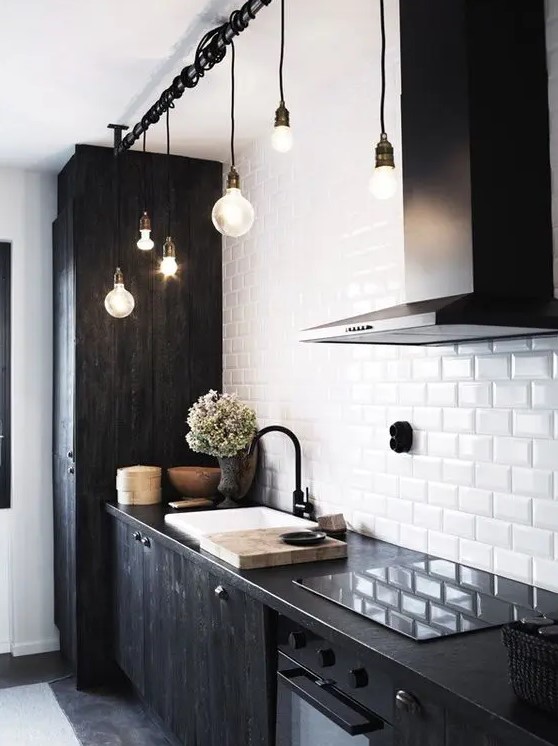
point(311, 710)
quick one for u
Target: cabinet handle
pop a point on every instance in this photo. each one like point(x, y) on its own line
point(70, 454)
point(221, 593)
point(406, 702)
point(137, 536)
point(145, 541)
point(71, 470)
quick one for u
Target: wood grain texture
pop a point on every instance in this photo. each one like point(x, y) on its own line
point(423, 728)
point(134, 378)
point(262, 547)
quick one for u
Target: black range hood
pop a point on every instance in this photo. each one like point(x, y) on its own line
point(476, 179)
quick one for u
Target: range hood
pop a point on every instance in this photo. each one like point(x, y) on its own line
point(476, 179)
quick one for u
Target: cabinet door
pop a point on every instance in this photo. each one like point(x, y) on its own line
point(235, 661)
point(460, 734)
point(128, 614)
point(170, 640)
point(418, 722)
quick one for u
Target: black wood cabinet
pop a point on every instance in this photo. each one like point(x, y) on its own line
point(199, 651)
point(122, 387)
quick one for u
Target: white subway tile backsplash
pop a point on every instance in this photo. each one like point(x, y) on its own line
point(513, 395)
point(475, 394)
point(532, 424)
point(532, 482)
point(494, 422)
point(475, 501)
point(479, 484)
point(494, 532)
point(516, 451)
point(532, 365)
point(492, 367)
point(493, 476)
point(533, 541)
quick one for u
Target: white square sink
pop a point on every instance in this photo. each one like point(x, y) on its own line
point(208, 522)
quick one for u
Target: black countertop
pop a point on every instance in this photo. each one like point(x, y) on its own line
point(466, 673)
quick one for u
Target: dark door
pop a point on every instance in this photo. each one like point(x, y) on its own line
point(170, 639)
point(64, 487)
point(418, 722)
point(128, 602)
point(235, 666)
point(5, 419)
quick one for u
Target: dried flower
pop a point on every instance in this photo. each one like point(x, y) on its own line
point(220, 425)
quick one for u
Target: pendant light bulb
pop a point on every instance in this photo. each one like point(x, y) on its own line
point(119, 302)
point(282, 137)
point(383, 182)
point(169, 265)
point(233, 215)
point(145, 243)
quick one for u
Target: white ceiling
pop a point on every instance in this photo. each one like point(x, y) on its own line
point(69, 68)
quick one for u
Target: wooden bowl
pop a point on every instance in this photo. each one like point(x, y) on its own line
point(195, 481)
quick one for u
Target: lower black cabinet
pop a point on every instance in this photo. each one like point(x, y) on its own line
point(200, 652)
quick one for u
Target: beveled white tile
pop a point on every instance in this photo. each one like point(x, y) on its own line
point(458, 471)
point(426, 369)
point(414, 537)
point(427, 516)
point(545, 574)
point(458, 420)
point(441, 394)
point(413, 489)
point(534, 482)
point(442, 444)
point(545, 514)
point(476, 554)
point(476, 447)
point(412, 394)
point(545, 394)
point(476, 501)
point(493, 476)
point(387, 530)
point(427, 467)
point(513, 395)
point(456, 523)
point(513, 451)
point(532, 365)
point(443, 495)
point(494, 422)
point(535, 542)
point(533, 424)
point(399, 510)
point(442, 545)
point(457, 368)
point(492, 367)
point(545, 454)
point(494, 532)
point(513, 565)
point(427, 418)
point(475, 394)
point(513, 508)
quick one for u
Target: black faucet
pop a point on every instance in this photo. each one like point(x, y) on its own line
point(301, 505)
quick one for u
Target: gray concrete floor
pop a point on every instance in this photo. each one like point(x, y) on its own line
point(107, 717)
point(31, 669)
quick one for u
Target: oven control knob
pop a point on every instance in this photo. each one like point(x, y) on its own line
point(297, 640)
point(358, 678)
point(326, 656)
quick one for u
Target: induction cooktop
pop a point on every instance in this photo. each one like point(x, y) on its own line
point(429, 598)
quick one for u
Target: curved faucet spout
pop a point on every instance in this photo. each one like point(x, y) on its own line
point(301, 506)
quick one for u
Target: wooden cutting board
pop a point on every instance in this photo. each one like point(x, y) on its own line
point(262, 547)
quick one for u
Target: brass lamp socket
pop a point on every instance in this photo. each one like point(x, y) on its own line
point(233, 179)
point(169, 249)
point(118, 277)
point(145, 222)
point(384, 152)
point(282, 116)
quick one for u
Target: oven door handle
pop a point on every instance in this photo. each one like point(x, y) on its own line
point(327, 699)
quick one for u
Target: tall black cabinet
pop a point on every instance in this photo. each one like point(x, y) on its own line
point(122, 387)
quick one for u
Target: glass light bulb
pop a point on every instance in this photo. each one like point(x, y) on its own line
point(145, 243)
point(282, 138)
point(233, 215)
point(119, 302)
point(169, 266)
point(383, 182)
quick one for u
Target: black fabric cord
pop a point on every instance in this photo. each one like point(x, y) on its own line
point(168, 176)
point(383, 67)
point(233, 60)
point(282, 56)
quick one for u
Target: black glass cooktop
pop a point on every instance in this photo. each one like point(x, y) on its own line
point(431, 597)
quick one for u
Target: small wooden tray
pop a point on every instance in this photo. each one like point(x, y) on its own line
point(262, 547)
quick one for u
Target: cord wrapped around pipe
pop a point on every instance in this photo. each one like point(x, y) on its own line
point(211, 50)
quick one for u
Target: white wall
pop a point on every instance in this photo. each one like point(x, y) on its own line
point(482, 483)
point(27, 208)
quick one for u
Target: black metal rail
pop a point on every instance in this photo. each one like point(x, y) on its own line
point(211, 50)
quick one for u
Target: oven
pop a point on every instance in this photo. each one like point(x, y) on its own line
point(326, 696)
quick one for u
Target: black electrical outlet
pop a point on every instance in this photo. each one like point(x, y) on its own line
point(401, 440)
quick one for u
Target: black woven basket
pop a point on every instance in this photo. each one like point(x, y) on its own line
point(533, 667)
